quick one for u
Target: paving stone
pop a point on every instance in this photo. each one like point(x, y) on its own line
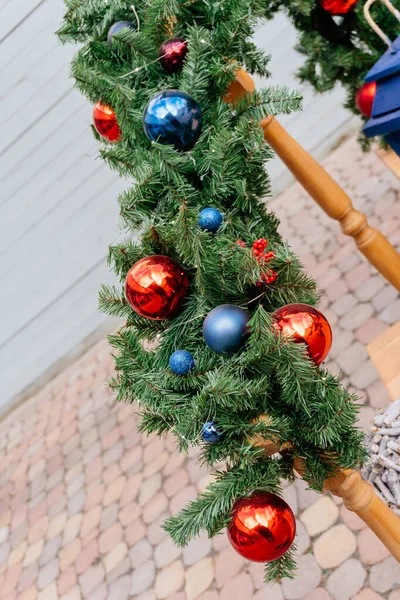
point(33, 552)
point(114, 491)
point(142, 551)
point(318, 594)
point(352, 357)
point(72, 528)
point(238, 588)
point(66, 580)
point(306, 496)
point(307, 579)
point(371, 548)
point(69, 553)
point(351, 519)
point(48, 573)
point(334, 546)
point(115, 556)
point(135, 532)
point(154, 507)
point(169, 580)
point(368, 594)
point(320, 516)
point(149, 488)
point(384, 298)
point(227, 564)
point(120, 588)
point(132, 511)
point(182, 498)
point(110, 537)
point(394, 595)
point(196, 550)
point(108, 516)
point(365, 416)
point(91, 578)
point(87, 557)
point(347, 580)
point(385, 575)
point(49, 593)
point(131, 490)
point(143, 578)
point(302, 538)
point(198, 578)
point(176, 482)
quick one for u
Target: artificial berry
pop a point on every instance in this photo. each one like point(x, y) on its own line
point(260, 244)
point(241, 243)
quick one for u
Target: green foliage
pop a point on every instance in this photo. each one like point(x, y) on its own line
point(159, 211)
point(330, 61)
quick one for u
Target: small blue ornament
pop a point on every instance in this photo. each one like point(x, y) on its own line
point(210, 219)
point(225, 328)
point(210, 433)
point(181, 362)
point(173, 118)
point(117, 27)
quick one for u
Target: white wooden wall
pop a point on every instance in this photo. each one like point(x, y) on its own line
point(57, 202)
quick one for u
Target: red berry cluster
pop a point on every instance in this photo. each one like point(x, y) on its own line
point(263, 258)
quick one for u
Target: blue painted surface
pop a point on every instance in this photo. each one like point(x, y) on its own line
point(210, 433)
point(210, 219)
point(388, 64)
point(181, 362)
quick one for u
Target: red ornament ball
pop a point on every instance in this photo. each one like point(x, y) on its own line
point(105, 122)
point(304, 323)
point(365, 98)
point(338, 7)
point(156, 287)
point(262, 527)
point(172, 54)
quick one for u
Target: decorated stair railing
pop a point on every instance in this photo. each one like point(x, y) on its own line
point(359, 496)
point(325, 191)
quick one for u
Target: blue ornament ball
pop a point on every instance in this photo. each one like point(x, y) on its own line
point(225, 328)
point(173, 118)
point(210, 219)
point(181, 362)
point(210, 433)
point(117, 27)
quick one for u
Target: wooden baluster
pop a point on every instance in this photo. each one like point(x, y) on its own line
point(325, 191)
point(358, 495)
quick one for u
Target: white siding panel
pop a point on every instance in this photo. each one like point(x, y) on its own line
point(58, 210)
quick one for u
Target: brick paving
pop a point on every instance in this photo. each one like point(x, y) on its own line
point(82, 494)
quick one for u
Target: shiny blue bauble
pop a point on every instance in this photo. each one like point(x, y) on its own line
point(225, 328)
point(173, 118)
point(210, 433)
point(117, 27)
point(210, 219)
point(181, 362)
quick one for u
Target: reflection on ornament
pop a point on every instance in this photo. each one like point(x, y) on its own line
point(173, 118)
point(118, 27)
point(304, 323)
point(262, 527)
point(365, 97)
point(225, 328)
point(210, 433)
point(105, 122)
point(156, 287)
point(172, 54)
point(338, 7)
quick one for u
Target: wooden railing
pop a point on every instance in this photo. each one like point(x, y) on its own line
point(358, 496)
point(325, 191)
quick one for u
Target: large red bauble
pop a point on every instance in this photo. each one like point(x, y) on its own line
point(156, 287)
point(338, 7)
point(304, 323)
point(105, 122)
point(262, 527)
point(365, 98)
point(172, 54)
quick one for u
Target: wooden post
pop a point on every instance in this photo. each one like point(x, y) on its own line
point(358, 496)
point(325, 191)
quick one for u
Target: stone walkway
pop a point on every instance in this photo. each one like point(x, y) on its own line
point(82, 494)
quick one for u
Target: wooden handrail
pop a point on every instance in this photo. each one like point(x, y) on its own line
point(324, 190)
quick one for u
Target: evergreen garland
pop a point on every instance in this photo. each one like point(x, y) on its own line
point(225, 169)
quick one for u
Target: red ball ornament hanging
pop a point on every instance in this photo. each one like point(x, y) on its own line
point(156, 287)
point(105, 122)
point(365, 97)
point(172, 54)
point(304, 323)
point(338, 7)
point(262, 527)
